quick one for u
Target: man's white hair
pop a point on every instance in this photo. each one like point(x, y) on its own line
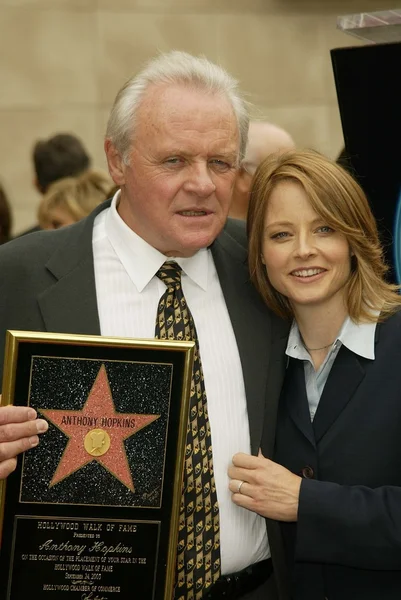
point(173, 68)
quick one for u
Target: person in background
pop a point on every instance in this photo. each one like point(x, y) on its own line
point(61, 155)
point(73, 198)
point(5, 217)
point(263, 139)
point(335, 483)
point(161, 252)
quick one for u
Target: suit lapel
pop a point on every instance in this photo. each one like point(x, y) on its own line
point(252, 328)
point(345, 376)
point(294, 392)
point(76, 296)
point(70, 305)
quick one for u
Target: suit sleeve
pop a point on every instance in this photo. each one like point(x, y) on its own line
point(354, 526)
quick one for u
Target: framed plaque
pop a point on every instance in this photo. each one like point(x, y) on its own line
point(92, 511)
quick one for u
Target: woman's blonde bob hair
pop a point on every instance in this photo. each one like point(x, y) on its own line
point(78, 196)
point(338, 199)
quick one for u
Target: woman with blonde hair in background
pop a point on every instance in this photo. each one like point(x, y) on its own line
point(335, 483)
point(70, 199)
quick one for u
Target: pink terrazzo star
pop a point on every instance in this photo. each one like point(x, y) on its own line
point(98, 413)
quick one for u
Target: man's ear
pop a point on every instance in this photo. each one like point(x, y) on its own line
point(115, 163)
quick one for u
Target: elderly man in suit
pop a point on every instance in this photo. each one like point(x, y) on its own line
point(175, 138)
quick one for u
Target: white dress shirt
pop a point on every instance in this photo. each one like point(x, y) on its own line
point(357, 337)
point(128, 294)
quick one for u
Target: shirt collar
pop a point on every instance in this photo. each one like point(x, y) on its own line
point(141, 260)
point(357, 337)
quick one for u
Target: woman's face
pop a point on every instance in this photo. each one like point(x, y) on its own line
point(306, 260)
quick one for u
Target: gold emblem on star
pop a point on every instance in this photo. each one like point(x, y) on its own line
point(97, 442)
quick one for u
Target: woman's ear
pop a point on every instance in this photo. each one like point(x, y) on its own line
point(262, 259)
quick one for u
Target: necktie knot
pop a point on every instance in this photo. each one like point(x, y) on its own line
point(170, 273)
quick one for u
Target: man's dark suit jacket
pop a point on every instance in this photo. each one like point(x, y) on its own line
point(347, 543)
point(47, 283)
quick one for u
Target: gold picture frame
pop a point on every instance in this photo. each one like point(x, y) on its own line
point(94, 508)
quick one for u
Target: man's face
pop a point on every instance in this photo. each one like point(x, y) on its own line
point(176, 190)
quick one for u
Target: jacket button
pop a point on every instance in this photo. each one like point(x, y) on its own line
point(307, 472)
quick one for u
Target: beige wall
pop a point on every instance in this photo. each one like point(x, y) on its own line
point(62, 62)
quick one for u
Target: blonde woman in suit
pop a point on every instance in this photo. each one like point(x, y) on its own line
point(335, 483)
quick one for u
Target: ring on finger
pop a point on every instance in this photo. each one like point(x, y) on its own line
point(239, 487)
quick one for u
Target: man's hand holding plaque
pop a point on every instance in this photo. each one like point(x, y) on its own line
point(19, 429)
